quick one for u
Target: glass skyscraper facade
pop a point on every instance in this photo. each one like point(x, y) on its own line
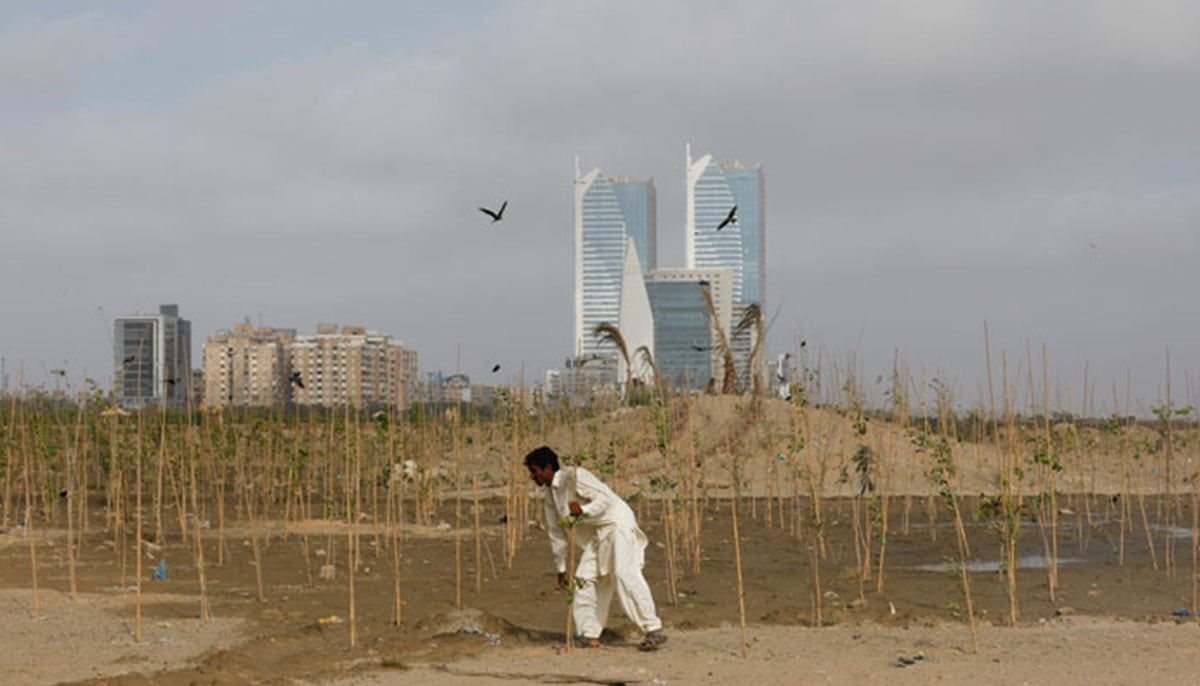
point(713, 189)
point(607, 212)
point(152, 358)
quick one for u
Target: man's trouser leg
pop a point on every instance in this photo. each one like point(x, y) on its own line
point(591, 602)
point(631, 587)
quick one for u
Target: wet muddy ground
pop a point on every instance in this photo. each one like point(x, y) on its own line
point(302, 633)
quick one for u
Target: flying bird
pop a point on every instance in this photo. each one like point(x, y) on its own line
point(701, 348)
point(704, 283)
point(128, 360)
point(730, 218)
point(295, 378)
point(803, 343)
point(495, 369)
point(496, 216)
point(58, 372)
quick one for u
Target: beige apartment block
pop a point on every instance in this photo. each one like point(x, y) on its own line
point(248, 366)
point(350, 366)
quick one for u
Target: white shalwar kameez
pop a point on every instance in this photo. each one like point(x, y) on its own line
point(612, 552)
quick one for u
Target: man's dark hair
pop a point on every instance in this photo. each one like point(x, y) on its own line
point(541, 458)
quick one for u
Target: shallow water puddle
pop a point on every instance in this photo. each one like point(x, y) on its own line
point(1025, 562)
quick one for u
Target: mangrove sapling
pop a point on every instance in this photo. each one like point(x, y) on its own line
point(1055, 466)
point(568, 523)
point(942, 475)
point(9, 466)
point(137, 536)
point(458, 560)
point(478, 532)
point(205, 613)
point(880, 515)
point(735, 468)
point(27, 486)
point(70, 493)
point(664, 487)
point(1007, 506)
point(1194, 481)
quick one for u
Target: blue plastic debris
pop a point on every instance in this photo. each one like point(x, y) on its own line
point(160, 570)
point(1181, 612)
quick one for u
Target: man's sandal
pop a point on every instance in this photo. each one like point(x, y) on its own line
point(652, 641)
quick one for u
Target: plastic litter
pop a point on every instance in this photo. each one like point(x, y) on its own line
point(331, 619)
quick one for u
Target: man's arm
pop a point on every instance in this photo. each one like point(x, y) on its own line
point(558, 537)
point(591, 489)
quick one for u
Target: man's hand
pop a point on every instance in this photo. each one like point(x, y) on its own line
point(562, 579)
point(575, 509)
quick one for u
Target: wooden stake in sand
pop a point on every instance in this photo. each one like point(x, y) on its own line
point(737, 558)
point(137, 546)
point(478, 533)
point(28, 486)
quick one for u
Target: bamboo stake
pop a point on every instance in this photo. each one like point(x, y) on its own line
point(478, 533)
point(138, 537)
point(737, 559)
point(458, 561)
point(28, 488)
point(201, 573)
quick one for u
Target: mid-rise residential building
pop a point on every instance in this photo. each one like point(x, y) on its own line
point(350, 365)
point(248, 366)
point(262, 366)
point(152, 358)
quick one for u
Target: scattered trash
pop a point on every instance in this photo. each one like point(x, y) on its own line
point(1183, 612)
point(330, 620)
point(160, 570)
point(905, 661)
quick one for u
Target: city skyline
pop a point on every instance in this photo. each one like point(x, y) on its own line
point(932, 167)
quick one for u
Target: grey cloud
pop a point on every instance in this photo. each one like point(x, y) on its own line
point(928, 166)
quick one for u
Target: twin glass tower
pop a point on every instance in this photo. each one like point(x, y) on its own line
point(665, 312)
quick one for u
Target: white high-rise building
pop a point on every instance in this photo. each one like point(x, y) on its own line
point(713, 190)
point(613, 217)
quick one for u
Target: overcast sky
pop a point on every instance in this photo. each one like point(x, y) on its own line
point(928, 166)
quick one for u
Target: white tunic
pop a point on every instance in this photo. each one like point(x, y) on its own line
point(606, 513)
point(612, 549)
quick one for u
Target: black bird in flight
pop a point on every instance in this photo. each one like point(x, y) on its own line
point(58, 372)
point(701, 348)
point(128, 360)
point(296, 379)
point(495, 369)
point(730, 218)
point(496, 216)
point(803, 343)
point(704, 283)
point(172, 382)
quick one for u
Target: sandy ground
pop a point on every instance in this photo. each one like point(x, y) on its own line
point(1064, 651)
point(1111, 622)
point(93, 636)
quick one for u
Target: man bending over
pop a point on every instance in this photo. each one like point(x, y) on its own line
point(612, 548)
